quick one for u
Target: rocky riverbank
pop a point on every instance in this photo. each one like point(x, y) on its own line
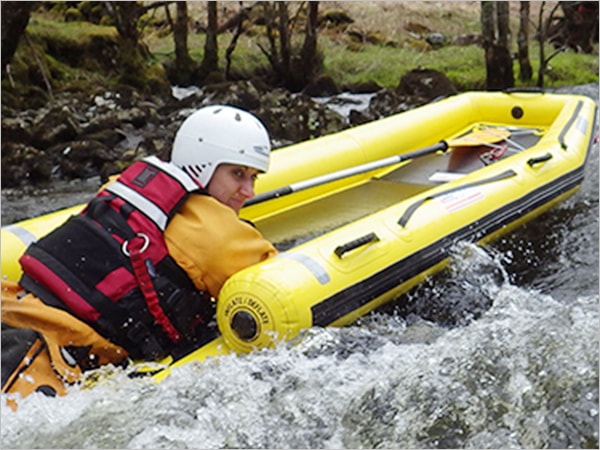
point(79, 136)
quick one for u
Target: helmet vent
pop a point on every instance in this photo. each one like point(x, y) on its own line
point(192, 171)
point(238, 117)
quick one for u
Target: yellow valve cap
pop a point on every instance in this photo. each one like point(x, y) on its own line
point(256, 309)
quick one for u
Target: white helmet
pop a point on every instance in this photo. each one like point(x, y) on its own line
point(220, 134)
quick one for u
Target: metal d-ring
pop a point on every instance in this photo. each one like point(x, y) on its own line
point(144, 245)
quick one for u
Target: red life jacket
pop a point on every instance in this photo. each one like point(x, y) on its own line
point(109, 266)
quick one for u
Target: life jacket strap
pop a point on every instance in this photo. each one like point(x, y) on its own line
point(134, 249)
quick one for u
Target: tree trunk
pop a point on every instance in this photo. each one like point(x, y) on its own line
point(525, 70)
point(496, 38)
point(292, 67)
point(309, 55)
point(132, 53)
point(126, 15)
point(542, 34)
point(544, 26)
point(487, 22)
point(284, 40)
point(15, 17)
point(503, 16)
point(184, 65)
point(239, 29)
point(271, 53)
point(210, 62)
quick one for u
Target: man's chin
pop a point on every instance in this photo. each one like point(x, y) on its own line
point(236, 206)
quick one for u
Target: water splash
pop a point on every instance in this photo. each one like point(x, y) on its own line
point(524, 375)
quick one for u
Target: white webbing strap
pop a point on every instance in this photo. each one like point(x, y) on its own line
point(179, 174)
point(140, 202)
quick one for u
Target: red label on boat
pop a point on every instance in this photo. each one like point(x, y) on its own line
point(454, 201)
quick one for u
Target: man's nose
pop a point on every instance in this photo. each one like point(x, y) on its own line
point(247, 187)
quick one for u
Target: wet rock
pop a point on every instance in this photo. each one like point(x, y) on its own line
point(22, 164)
point(102, 122)
point(109, 137)
point(367, 87)
point(243, 94)
point(24, 97)
point(57, 125)
point(101, 134)
point(425, 83)
point(137, 117)
point(322, 87)
point(358, 117)
point(436, 40)
point(295, 118)
point(80, 159)
point(387, 102)
point(15, 130)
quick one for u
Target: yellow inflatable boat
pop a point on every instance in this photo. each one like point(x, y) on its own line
point(363, 215)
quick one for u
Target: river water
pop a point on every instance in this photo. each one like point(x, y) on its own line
point(500, 351)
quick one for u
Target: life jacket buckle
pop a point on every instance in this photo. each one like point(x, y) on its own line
point(143, 248)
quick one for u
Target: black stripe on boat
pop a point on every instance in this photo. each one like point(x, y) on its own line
point(563, 133)
point(359, 294)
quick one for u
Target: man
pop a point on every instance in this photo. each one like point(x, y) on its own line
point(135, 275)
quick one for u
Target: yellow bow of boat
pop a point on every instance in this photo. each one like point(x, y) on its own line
point(354, 243)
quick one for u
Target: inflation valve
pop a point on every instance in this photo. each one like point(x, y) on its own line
point(244, 325)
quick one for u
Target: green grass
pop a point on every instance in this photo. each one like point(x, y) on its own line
point(351, 64)
point(569, 68)
point(74, 31)
point(386, 65)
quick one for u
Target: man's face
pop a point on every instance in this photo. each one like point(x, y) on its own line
point(232, 185)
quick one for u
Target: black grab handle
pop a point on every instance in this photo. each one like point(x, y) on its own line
point(358, 242)
point(532, 89)
point(540, 159)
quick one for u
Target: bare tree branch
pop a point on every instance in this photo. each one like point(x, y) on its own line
point(238, 32)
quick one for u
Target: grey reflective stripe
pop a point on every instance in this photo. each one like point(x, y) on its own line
point(315, 268)
point(149, 209)
point(188, 183)
point(582, 125)
point(24, 235)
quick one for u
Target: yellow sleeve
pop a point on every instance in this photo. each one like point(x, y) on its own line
point(209, 241)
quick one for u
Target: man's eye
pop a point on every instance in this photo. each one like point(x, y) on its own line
point(238, 173)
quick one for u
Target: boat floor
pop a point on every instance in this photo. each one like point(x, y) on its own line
point(308, 221)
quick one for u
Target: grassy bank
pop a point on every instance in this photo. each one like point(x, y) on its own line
point(390, 43)
point(399, 49)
